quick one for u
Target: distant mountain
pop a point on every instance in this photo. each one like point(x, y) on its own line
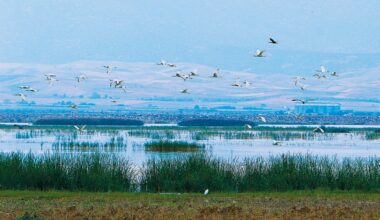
point(150, 85)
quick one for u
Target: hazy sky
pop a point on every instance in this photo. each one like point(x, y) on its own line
point(212, 32)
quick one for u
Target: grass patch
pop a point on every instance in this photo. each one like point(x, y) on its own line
point(84, 172)
point(172, 146)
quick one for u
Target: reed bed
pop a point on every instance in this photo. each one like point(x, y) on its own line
point(84, 172)
point(190, 173)
point(173, 146)
point(279, 173)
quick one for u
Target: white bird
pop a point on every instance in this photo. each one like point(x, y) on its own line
point(117, 83)
point(248, 126)
point(322, 69)
point(236, 84)
point(320, 76)
point(297, 79)
point(162, 63)
point(171, 65)
point(182, 76)
point(31, 90)
point(247, 83)
point(80, 129)
point(24, 87)
point(81, 78)
point(260, 53)
point(51, 78)
point(206, 192)
point(319, 129)
point(22, 96)
point(194, 73)
point(334, 74)
point(276, 143)
point(262, 119)
point(109, 68)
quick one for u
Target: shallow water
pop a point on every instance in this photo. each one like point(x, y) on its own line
point(220, 142)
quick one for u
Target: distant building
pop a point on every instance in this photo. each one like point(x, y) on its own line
point(318, 108)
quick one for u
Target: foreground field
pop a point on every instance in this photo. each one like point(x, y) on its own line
point(289, 205)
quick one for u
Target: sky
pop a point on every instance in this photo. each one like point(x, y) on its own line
point(215, 32)
point(69, 36)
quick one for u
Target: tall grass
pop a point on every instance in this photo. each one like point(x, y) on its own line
point(192, 173)
point(280, 173)
point(172, 146)
point(84, 172)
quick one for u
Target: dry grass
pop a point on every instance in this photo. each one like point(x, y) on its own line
point(296, 205)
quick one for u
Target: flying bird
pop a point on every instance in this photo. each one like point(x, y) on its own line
point(73, 106)
point(109, 68)
point(248, 126)
point(171, 65)
point(334, 74)
point(303, 101)
point(24, 87)
point(322, 69)
point(194, 73)
point(297, 79)
point(162, 63)
point(186, 91)
point(319, 76)
point(319, 129)
point(260, 53)
point(22, 96)
point(272, 41)
point(80, 78)
point(262, 119)
point(30, 89)
point(276, 143)
point(215, 74)
point(80, 129)
point(247, 83)
point(206, 192)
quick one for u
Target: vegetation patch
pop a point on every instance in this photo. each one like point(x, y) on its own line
point(173, 146)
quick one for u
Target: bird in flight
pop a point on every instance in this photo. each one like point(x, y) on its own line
point(262, 119)
point(297, 79)
point(215, 74)
point(334, 74)
point(248, 126)
point(322, 69)
point(171, 65)
point(81, 78)
point(260, 53)
point(272, 41)
point(320, 76)
point(51, 78)
point(185, 91)
point(109, 68)
point(162, 63)
point(194, 73)
point(22, 96)
point(319, 129)
point(303, 101)
point(80, 129)
point(73, 106)
point(276, 143)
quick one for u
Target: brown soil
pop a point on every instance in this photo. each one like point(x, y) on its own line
point(197, 207)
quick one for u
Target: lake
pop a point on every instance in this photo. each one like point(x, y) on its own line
point(225, 142)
